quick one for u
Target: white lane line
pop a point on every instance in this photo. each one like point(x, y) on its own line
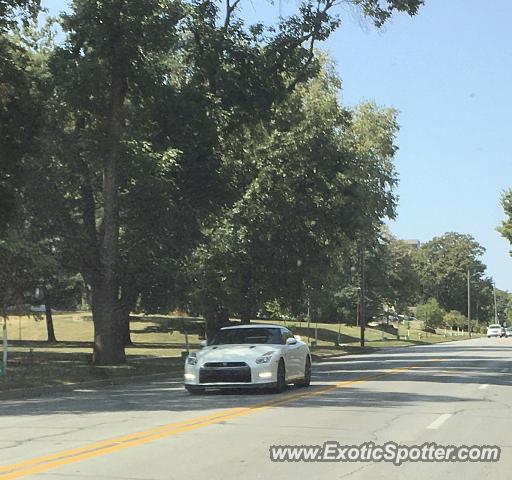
point(483, 387)
point(439, 421)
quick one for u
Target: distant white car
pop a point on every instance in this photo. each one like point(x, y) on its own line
point(508, 332)
point(266, 356)
point(495, 330)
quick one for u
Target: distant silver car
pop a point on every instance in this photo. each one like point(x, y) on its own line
point(508, 332)
point(495, 330)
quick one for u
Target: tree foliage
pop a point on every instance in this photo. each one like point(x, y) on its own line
point(162, 131)
point(309, 183)
point(443, 266)
point(455, 319)
point(431, 313)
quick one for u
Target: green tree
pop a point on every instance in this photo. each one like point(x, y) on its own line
point(19, 115)
point(315, 179)
point(504, 298)
point(392, 277)
point(430, 313)
point(506, 226)
point(455, 319)
point(125, 65)
point(503, 306)
point(443, 265)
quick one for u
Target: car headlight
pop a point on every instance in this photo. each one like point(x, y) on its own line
point(265, 358)
point(192, 359)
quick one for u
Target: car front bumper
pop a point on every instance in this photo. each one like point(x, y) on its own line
point(264, 375)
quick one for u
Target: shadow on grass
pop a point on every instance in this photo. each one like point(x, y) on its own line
point(45, 344)
point(32, 369)
point(190, 325)
point(323, 334)
point(35, 344)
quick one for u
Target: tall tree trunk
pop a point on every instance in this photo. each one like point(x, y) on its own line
point(216, 318)
point(125, 325)
point(49, 320)
point(128, 302)
point(108, 339)
point(245, 318)
point(247, 307)
point(108, 331)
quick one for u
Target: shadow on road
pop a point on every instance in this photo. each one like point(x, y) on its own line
point(489, 364)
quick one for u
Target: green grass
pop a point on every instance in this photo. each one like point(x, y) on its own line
point(158, 345)
point(349, 336)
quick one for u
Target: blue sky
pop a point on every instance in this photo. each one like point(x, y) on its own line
point(448, 70)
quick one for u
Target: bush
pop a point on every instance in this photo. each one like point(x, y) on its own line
point(431, 313)
point(276, 311)
point(454, 319)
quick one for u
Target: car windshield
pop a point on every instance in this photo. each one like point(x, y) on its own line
point(248, 336)
point(494, 326)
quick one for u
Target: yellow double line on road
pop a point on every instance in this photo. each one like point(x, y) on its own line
point(48, 462)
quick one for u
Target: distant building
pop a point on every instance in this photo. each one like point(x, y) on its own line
point(413, 244)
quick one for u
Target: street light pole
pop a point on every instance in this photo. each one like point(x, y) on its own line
point(495, 306)
point(309, 325)
point(362, 321)
point(469, 307)
point(3, 364)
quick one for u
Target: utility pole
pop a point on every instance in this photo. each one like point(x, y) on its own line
point(362, 303)
point(3, 364)
point(495, 306)
point(469, 306)
point(309, 325)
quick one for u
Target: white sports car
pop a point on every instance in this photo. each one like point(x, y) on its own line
point(266, 356)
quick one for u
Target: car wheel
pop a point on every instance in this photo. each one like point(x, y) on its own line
point(281, 377)
point(193, 390)
point(306, 381)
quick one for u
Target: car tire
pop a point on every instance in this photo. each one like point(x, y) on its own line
point(280, 378)
point(306, 381)
point(193, 390)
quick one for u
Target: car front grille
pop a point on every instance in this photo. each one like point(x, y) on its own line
point(225, 372)
point(225, 364)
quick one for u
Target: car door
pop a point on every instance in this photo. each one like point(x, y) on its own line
point(293, 356)
point(302, 354)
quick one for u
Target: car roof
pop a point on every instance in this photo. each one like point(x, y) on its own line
point(257, 325)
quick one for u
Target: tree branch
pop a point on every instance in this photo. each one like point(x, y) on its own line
point(310, 36)
point(230, 8)
point(300, 76)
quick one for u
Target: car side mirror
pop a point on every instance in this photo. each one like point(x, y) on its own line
point(203, 343)
point(298, 337)
point(291, 341)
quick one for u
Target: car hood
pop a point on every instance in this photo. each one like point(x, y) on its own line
point(234, 353)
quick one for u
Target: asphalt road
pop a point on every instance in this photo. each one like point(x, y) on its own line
point(452, 394)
